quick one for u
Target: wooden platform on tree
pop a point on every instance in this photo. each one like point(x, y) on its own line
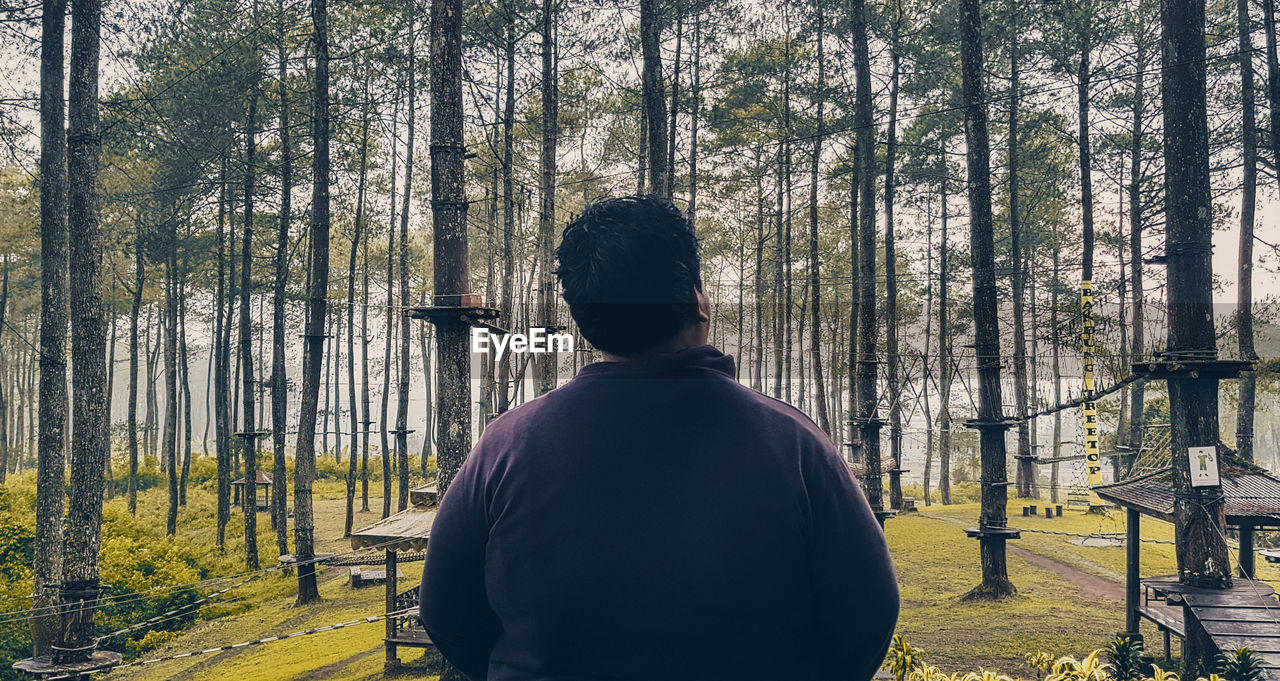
point(1246, 615)
point(413, 637)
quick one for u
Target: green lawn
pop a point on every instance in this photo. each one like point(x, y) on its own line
point(936, 562)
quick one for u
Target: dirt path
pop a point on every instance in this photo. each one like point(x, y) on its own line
point(1089, 584)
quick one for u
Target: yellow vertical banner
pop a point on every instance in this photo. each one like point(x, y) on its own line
point(1092, 458)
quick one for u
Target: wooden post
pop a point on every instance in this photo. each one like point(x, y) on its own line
point(392, 659)
point(1246, 551)
point(1133, 580)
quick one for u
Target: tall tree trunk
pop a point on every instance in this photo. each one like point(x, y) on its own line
point(365, 407)
point(1026, 472)
point(1137, 399)
point(4, 378)
point(508, 207)
point(185, 366)
point(868, 418)
point(91, 441)
point(675, 102)
point(354, 421)
point(1273, 78)
point(139, 280)
point(1248, 194)
point(248, 436)
point(111, 382)
point(313, 351)
point(855, 303)
point(891, 277)
point(653, 94)
point(990, 419)
point(944, 352)
point(449, 220)
point(222, 374)
point(169, 446)
point(1199, 512)
point(1057, 374)
point(546, 367)
point(924, 363)
point(279, 378)
point(50, 458)
point(402, 406)
point(388, 325)
point(815, 286)
point(695, 108)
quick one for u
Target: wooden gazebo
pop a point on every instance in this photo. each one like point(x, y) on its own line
point(264, 481)
point(1241, 616)
point(407, 530)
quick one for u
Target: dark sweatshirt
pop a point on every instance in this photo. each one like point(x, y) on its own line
point(654, 520)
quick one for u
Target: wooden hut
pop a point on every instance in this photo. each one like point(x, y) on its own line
point(407, 530)
point(1241, 616)
point(264, 481)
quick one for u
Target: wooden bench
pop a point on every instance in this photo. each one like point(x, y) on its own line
point(1271, 555)
point(909, 505)
point(361, 577)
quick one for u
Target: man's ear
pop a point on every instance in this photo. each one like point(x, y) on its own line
point(703, 305)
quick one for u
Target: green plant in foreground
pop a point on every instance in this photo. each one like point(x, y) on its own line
point(1124, 659)
point(1068, 668)
point(1240, 664)
point(903, 658)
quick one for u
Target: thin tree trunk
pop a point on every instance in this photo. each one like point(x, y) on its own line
point(547, 366)
point(675, 102)
point(279, 370)
point(990, 419)
point(389, 327)
point(944, 353)
point(1057, 374)
point(1137, 399)
point(354, 421)
point(815, 286)
point(186, 388)
point(313, 351)
point(222, 374)
point(1025, 467)
point(694, 109)
point(169, 446)
point(54, 312)
point(402, 406)
point(891, 277)
point(868, 419)
point(249, 498)
point(1248, 194)
point(508, 208)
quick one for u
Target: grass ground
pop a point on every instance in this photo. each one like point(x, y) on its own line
point(1058, 609)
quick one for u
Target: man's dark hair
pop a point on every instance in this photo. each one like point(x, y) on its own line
point(629, 267)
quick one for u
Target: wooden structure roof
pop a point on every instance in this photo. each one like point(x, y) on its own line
point(263, 478)
point(408, 529)
point(1252, 495)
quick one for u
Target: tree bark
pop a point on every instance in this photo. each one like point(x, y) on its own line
point(990, 419)
point(868, 419)
point(169, 446)
point(54, 312)
point(1025, 477)
point(222, 374)
point(248, 436)
point(354, 421)
point(185, 366)
point(1137, 399)
point(815, 286)
point(402, 406)
point(91, 441)
point(279, 378)
point(1248, 196)
point(546, 366)
point(944, 353)
point(653, 95)
point(508, 206)
point(313, 351)
point(449, 220)
point(891, 277)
